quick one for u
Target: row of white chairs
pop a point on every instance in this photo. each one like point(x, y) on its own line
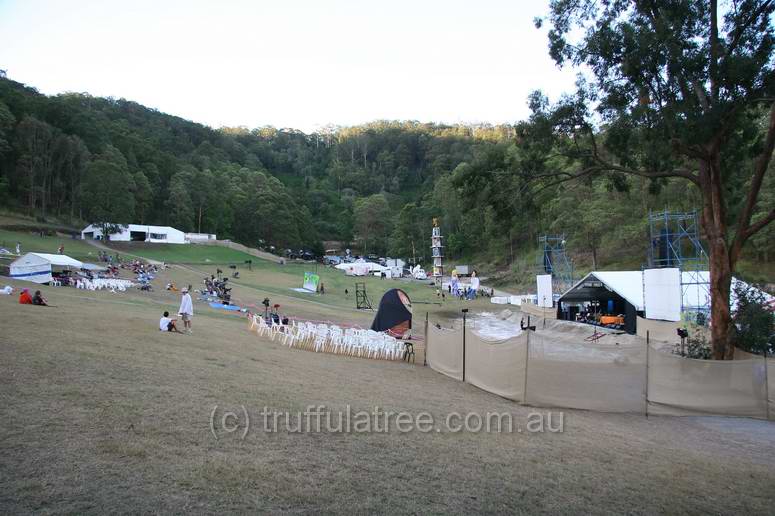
point(330, 338)
point(103, 284)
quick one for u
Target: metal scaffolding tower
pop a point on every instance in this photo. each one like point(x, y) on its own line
point(675, 242)
point(362, 301)
point(551, 259)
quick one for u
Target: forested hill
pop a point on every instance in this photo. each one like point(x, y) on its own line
point(81, 159)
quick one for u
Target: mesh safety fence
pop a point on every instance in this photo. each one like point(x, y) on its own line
point(617, 373)
point(585, 375)
point(685, 386)
point(771, 386)
point(497, 366)
point(445, 355)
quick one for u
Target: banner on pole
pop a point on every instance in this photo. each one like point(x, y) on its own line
point(311, 281)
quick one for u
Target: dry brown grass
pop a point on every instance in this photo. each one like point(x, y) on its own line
point(102, 413)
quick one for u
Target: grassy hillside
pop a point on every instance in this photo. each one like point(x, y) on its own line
point(182, 253)
point(101, 412)
point(31, 241)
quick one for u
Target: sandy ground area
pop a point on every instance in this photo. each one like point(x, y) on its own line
point(100, 412)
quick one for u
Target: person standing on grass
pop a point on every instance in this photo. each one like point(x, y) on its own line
point(186, 310)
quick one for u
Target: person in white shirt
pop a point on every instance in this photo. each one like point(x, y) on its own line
point(167, 324)
point(474, 286)
point(186, 310)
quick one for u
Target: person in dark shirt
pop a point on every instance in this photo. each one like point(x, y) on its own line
point(38, 299)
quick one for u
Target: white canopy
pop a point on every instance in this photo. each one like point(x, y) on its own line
point(60, 260)
point(628, 284)
point(360, 268)
point(36, 267)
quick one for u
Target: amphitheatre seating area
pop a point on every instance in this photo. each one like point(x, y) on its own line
point(330, 338)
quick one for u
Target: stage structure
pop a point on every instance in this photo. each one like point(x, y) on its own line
point(551, 259)
point(675, 243)
point(437, 252)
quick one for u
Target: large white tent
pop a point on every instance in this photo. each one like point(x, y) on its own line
point(37, 267)
point(138, 233)
point(617, 292)
point(360, 268)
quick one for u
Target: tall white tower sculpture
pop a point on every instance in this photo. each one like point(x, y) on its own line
point(437, 252)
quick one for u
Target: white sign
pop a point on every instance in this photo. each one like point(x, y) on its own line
point(544, 282)
point(662, 294)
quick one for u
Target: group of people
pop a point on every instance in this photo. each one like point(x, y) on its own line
point(186, 313)
point(467, 292)
point(105, 257)
point(25, 298)
point(36, 299)
point(217, 287)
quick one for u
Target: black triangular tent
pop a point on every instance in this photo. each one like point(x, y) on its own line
point(395, 312)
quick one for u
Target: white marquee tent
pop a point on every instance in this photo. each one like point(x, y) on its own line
point(360, 268)
point(37, 267)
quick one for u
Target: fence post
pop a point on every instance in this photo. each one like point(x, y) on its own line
point(527, 359)
point(464, 344)
point(647, 373)
point(427, 343)
point(766, 386)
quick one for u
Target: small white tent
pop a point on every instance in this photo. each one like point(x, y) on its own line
point(36, 267)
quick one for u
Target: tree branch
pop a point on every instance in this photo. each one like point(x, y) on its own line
point(744, 227)
point(761, 223)
point(738, 33)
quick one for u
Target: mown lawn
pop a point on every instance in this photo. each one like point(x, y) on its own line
point(33, 242)
point(183, 253)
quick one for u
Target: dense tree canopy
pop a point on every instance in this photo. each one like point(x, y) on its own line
point(373, 187)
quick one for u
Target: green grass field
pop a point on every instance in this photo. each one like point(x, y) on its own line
point(182, 253)
point(33, 242)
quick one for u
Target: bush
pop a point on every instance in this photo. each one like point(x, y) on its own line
point(754, 323)
point(696, 346)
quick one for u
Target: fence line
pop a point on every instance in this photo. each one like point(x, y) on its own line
point(566, 371)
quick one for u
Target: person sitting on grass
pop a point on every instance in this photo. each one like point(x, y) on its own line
point(38, 299)
point(167, 324)
point(24, 297)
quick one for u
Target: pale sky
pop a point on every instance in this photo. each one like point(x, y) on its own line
point(292, 63)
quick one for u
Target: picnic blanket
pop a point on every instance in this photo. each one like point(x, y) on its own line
point(231, 308)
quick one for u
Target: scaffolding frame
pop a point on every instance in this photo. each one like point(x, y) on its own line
point(362, 301)
point(552, 259)
point(675, 242)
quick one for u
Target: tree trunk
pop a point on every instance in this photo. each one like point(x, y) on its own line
point(720, 313)
point(720, 258)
